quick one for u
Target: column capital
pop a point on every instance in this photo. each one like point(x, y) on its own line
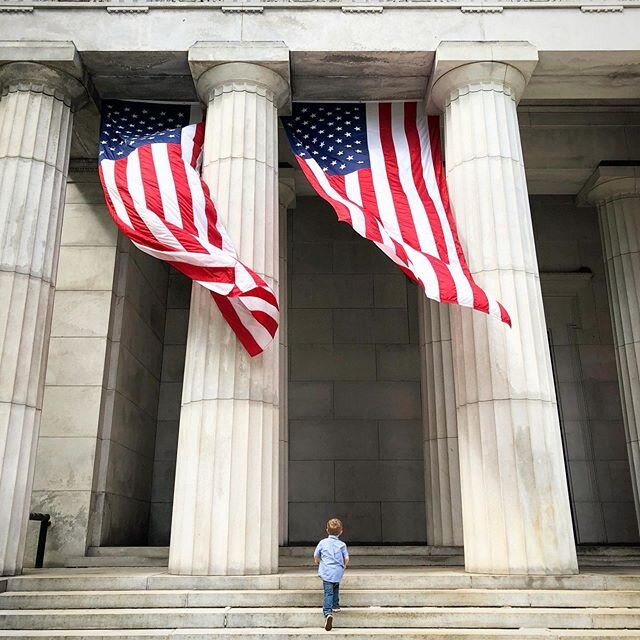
point(49, 67)
point(460, 64)
point(610, 182)
point(263, 64)
point(287, 188)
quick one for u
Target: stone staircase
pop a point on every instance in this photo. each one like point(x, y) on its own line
point(363, 556)
point(421, 602)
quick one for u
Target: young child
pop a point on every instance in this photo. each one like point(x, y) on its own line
point(333, 558)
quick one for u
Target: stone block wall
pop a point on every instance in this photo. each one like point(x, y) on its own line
point(123, 475)
point(355, 434)
point(164, 464)
point(578, 318)
point(75, 383)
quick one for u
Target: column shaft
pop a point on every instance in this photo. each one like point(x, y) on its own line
point(616, 192)
point(286, 199)
point(35, 136)
point(442, 467)
point(515, 501)
point(225, 510)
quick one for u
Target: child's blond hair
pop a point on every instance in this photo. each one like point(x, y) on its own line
point(334, 527)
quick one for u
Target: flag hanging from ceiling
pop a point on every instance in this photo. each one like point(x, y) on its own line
point(149, 163)
point(380, 166)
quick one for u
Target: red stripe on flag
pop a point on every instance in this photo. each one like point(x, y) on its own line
point(504, 315)
point(415, 151)
point(370, 205)
point(438, 167)
point(141, 232)
point(182, 189)
point(341, 210)
point(236, 324)
point(198, 141)
point(403, 212)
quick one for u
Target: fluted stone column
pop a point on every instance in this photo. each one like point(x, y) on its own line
point(443, 504)
point(286, 197)
point(615, 190)
point(515, 501)
point(35, 136)
point(225, 508)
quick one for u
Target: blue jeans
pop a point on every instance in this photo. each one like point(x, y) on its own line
point(331, 597)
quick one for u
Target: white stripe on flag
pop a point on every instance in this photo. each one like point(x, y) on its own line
point(199, 205)
point(386, 208)
point(424, 232)
point(186, 142)
point(258, 332)
point(212, 260)
point(325, 185)
point(108, 173)
point(166, 184)
point(352, 189)
point(153, 223)
point(432, 185)
point(463, 286)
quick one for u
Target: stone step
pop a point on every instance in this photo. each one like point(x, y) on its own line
point(305, 598)
point(368, 550)
point(285, 561)
point(304, 551)
point(142, 552)
point(373, 550)
point(116, 561)
point(382, 561)
point(362, 556)
point(353, 617)
point(384, 579)
point(352, 634)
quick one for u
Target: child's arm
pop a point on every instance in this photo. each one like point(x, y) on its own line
point(345, 555)
point(316, 560)
point(316, 555)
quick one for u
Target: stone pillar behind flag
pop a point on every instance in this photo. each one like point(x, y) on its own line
point(439, 427)
point(225, 510)
point(286, 199)
point(515, 502)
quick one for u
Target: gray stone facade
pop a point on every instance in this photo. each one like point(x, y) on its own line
point(94, 426)
point(355, 448)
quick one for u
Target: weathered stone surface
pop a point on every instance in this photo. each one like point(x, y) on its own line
point(35, 134)
point(383, 480)
point(377, 400)
point(227, 522)
point(514, 493)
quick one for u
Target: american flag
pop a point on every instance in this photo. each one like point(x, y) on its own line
point(149, 163)
point(380, 166)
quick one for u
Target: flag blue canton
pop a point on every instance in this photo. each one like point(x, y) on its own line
point(125, 126)
point(334, 135)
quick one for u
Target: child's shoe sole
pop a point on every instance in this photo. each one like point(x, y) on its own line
point(328, 623)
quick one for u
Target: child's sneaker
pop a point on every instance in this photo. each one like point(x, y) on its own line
point(328, 622)
point(336, 609)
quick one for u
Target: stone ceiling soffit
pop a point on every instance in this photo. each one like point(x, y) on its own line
point(360, 75)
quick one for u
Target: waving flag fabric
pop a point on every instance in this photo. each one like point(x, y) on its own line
point(380, 166)
point(150, 157)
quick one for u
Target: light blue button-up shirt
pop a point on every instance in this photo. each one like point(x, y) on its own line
point(332, 553)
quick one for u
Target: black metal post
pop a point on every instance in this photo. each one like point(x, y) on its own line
point(45, 522)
